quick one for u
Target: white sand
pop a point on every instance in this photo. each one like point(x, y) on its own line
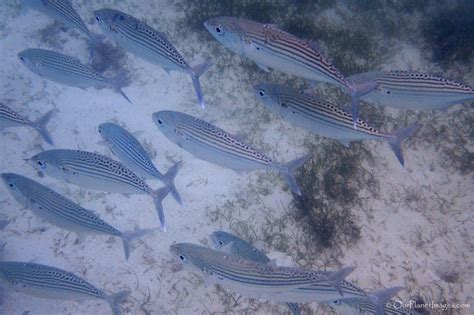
point(404, 241)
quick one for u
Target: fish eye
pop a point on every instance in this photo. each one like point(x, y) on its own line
point(160, 121)
point(41, 164)
point(97, 18)
point(182, 258)
point(219, 30)
point(22, 58)
point(261, 92)
point(11, 185)
point(221, 242)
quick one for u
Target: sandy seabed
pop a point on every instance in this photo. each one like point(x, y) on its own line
point(419, 227)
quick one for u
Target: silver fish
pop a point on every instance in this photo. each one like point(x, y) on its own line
point(10, 118)
point(236, 246)
point(324, 118)
point(132, 154)
point(95, 171)
point(269, 46)
point(53, 283)
point(366, 307)
point(321, 292)
point(149, 44)
point(217, 146)
point(413, 90)
point(60, 10)
point(251, 278)
point(65, 70)
point(63, 212)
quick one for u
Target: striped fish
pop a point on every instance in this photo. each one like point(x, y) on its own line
point(250, 278)
point(149, 44)
point(95, 171)
point(234, 245)
point(364, 306)
point(63, 212)
point(132, 154)
point(65, 70)
point(215, 145)
point(60, 10)
point(53, 283)
point(269, 46)
point(321, 292)
point(10, 118)
point(324, 118)
point(413, 90)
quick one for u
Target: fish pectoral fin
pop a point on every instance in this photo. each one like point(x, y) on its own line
point(263, 67)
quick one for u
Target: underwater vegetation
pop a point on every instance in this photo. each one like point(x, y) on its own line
point(350, 35)
point(450, 33)
point(331, 183)
point(110, 60)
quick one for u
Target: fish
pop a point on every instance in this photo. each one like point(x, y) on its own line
point(366, 307)
point(321, 117)
point(145, 42)
point(217, 146)
point(413, 90)
point(62, 11)
point(234, 245)
point(132, 154)
point(270, 47)
point(63, 212)
point(250, 278)
point(10, 118)
point(91, 170)
point(53, 283)
point(321, 292)
point(65, 70)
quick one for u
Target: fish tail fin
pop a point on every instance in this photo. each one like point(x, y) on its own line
point(358, 90)
point(119, 90)
point(158, 196)
point(336, 278)
point(289, 170)
point(130, 236)
point(115, 299)
point(168, 180)
point(380, 297)
point(196, 72)
point(398, 136)
point(41, 123)
point(294, 308)
point(119, 81)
